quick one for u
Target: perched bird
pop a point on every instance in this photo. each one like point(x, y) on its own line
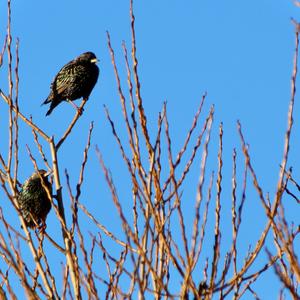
point(75, 80)
point(33, 200)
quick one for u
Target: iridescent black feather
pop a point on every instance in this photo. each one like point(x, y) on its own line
point(33, 200)
point(75, 80)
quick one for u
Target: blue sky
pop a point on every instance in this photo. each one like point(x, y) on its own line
point(240, 52)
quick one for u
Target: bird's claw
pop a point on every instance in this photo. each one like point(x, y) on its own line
point(80, 110)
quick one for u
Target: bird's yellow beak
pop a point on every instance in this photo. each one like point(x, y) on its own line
point(94, 60)
point(50, 172)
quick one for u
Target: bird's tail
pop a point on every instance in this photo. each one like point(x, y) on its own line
point(52, 106)
point(48, 100)
point(49, 112)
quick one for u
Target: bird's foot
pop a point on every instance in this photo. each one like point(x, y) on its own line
point(79, 109)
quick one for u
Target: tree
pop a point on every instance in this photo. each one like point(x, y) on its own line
point(150, 259)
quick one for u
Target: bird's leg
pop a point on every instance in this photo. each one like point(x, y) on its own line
point(79, 110)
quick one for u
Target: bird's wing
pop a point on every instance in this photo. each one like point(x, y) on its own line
point(63, 79)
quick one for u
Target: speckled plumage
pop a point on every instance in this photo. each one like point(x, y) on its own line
point(75, 80)
point(33, 200)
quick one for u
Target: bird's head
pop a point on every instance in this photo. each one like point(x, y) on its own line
point(43, 173)
point(87, 57)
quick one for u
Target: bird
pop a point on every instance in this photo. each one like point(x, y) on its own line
point(33, 200)
point(76, 79)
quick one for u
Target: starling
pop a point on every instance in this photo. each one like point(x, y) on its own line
point(75, 80)
point(33, 200)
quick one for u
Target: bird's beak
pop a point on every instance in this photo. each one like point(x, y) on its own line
point(50, 172)
point(94, 60)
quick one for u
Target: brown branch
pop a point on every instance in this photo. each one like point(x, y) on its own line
point(83, 164)
point(16, 125)
point(142, 116)
point(66, 236)
point(3, 50)
point(72, 124)
point(217, 241)
point(27, 121)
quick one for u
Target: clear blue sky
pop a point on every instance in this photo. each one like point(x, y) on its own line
point(240, 52)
